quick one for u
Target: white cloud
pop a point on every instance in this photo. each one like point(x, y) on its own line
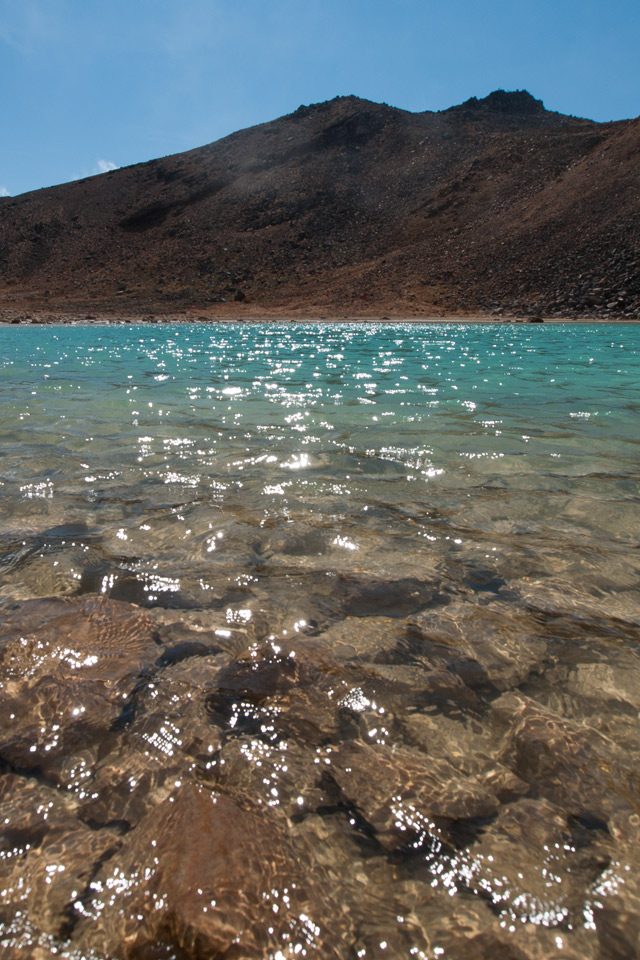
point(104, 166)
point(4, 192)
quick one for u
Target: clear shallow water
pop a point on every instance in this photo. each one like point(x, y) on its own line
point(348, 612)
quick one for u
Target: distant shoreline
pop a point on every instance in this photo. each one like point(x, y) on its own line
point(99, 318)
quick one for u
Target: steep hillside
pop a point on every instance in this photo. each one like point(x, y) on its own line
point(496, 204)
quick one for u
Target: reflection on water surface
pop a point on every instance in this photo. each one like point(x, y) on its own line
point(319, 641)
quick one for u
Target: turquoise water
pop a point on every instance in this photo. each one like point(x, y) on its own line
point(440, 523)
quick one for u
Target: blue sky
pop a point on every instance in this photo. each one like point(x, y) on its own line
point(91, 84)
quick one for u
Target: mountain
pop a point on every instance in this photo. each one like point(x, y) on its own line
point(493, 205)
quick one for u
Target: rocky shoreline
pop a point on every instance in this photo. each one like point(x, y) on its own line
point(98, 318)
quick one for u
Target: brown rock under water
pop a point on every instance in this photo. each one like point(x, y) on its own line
point(207, 877)
point(68, 667)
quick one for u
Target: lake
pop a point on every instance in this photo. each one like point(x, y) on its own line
point(320, 640)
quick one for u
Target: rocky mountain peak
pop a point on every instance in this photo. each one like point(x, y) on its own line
point(509, 101)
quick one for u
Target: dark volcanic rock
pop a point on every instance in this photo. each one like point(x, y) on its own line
point(518, 103)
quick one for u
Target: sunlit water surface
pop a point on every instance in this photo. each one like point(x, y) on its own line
point(320, 640)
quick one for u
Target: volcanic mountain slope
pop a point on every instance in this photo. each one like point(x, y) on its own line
point(496, 204)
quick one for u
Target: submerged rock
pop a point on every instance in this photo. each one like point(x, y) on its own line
point(389, 598)
point(492, 645)
point(168, 736)
point(534, 866)
point(572, 765)
point(204, 877)
point(68, 668)
point(280, 774)
point(408, 798)
point(47, 856)
point(279, 690)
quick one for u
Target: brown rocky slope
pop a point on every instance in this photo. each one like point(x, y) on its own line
point(496, 205)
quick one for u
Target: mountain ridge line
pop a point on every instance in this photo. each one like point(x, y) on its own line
point(493, 207)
